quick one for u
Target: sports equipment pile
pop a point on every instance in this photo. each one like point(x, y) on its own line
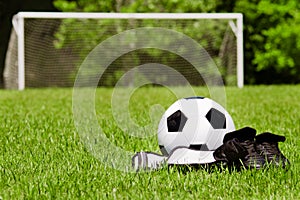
point(241, 149)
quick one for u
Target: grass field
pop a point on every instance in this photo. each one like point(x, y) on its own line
point(42, 156)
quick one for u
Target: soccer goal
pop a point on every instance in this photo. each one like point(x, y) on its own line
point(46, 49)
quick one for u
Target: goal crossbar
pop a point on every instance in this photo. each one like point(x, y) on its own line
point(18, 24)
point(78, 15)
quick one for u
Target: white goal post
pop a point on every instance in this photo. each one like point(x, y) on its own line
point(18, 24)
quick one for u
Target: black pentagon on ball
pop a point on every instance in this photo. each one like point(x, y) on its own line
point(176, 121)
point(216, 119)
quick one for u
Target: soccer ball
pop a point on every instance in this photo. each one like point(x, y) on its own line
point(196, 123)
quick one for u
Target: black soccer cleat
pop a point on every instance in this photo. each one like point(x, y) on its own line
point(230, 152)
point(246, 133)
point(251, 159)
point(267, 146)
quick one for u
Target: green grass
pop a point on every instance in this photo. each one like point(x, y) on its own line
point(42, 156)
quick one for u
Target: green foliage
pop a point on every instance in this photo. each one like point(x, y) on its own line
point(43, 157)
point(170, 6)
point(85, 5)
point(136, 6)
point(281, 40)
point(272, 39)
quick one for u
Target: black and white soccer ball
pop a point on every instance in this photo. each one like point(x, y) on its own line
point(196, 123)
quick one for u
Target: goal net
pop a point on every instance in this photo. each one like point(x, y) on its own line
point(47, 49)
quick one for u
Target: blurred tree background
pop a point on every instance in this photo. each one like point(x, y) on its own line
point(271, 30)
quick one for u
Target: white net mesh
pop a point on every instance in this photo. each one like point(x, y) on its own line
point(55, 48)
point(10, 73)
